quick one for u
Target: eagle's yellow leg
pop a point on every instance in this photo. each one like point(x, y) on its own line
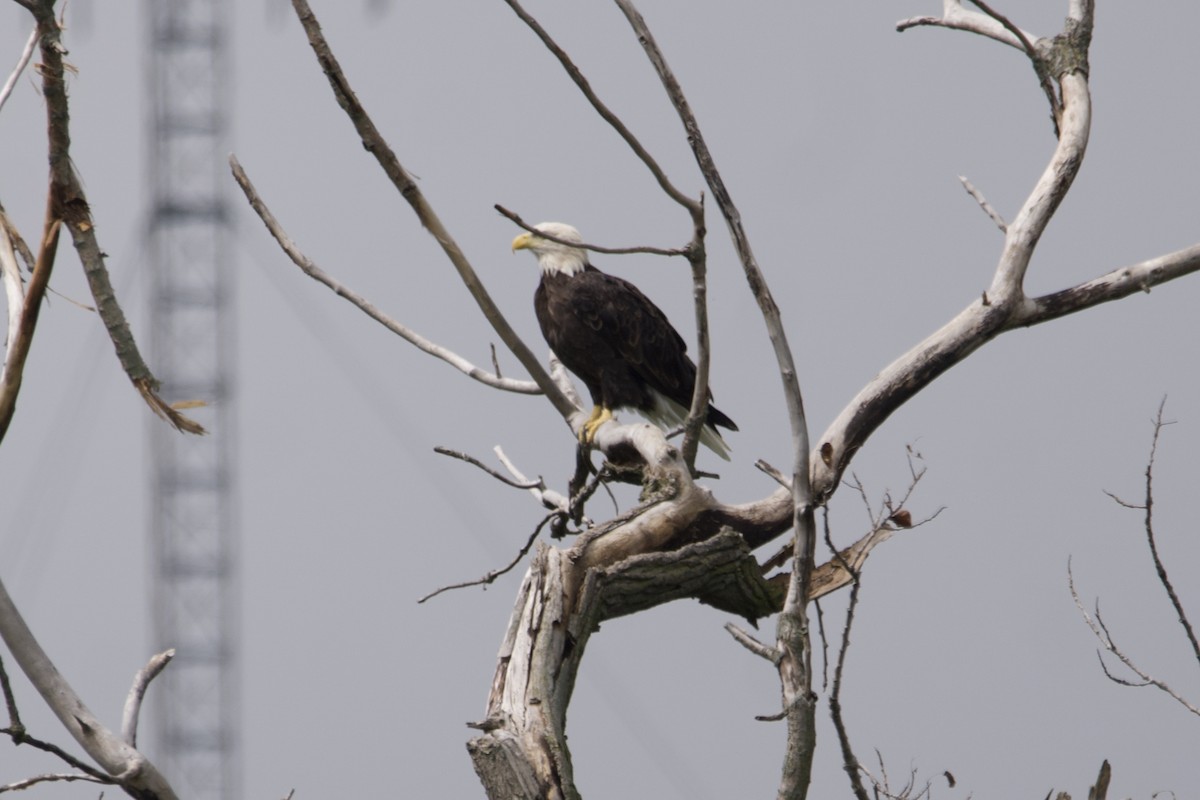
point(599, 416)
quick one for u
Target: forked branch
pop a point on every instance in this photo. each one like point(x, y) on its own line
point(1096, 623)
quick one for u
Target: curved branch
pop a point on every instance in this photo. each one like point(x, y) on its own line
point(955, 17)
point(133, 702)
point(374, 143)
point(1001, 308)
point(310, 269)
point(1026, 229)
point(122, 761)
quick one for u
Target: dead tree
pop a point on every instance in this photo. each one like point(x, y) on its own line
point(681, 540)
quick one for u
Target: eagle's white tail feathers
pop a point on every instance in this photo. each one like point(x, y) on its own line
point(668, 414)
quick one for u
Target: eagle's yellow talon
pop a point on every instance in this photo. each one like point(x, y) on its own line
point(599, 416)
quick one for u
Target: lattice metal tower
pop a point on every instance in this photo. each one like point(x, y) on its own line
point(193, 519)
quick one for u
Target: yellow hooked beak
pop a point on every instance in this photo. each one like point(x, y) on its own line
point(525, 241)
point(522, 242)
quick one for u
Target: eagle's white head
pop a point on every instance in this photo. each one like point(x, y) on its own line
point(554, 257)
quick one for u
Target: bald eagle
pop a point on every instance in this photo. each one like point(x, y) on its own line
point(619, 343)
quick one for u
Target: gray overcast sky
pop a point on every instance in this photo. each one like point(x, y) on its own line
point(841, 141)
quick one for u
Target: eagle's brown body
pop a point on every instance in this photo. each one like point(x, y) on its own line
point(613, 338)
point(617, 341)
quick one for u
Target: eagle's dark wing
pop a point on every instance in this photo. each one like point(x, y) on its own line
point(639, 332)
point(618, 342)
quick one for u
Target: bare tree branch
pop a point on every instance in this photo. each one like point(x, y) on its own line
point(984, 204)
point(849, 760)
point(18, 347)
point(1100, 631)
point(1115, 285)
point(516, 219)
point(68, 204)
point(793, 636)
point(141, 682)
point(461, 456)
point(124, 763)
point(16, 729)
point(496, 573)
point(27, 783)
point(1159, 567)
point(564, 595)
point(956, 17)
point(604, 111)
point(19, 243)
point(548, 498)
point(22, 737)
point(22, 62)
point(754, 645)
point(341, 290)
point(14, 289)
point(1035, 58)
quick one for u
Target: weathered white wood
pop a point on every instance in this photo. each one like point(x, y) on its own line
point(106, 748)
point(14, 292)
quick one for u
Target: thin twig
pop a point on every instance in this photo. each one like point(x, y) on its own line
point(774, 473)
point(1159, 423)
point(1100, 631)
point(21, 785)
point(18, 242)
point(15, 727)
point(753, 645)
point(849, 760)
point(548, 498)
point(984, 204)
point(824, 643)
point(496, 573)
point(461, 456)
point(616, 251)
point(55, 750)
